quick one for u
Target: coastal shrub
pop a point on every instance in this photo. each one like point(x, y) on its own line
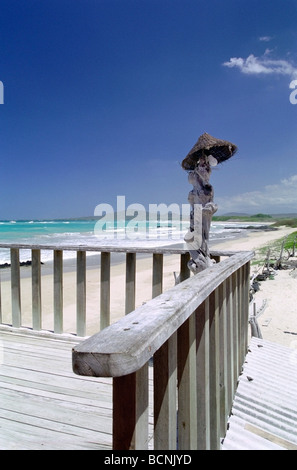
point(291, 241)
point(288, 222)
point(242, 218)
point(275, 248)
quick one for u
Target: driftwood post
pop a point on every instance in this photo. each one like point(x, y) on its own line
point(206, 153)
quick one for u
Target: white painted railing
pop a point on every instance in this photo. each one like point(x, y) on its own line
point(197, 335)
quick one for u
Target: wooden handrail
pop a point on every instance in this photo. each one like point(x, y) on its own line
point(125, 346)
point(196, 333)
point(170, 249)
point(15, 315)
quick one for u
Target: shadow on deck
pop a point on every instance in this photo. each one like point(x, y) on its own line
point(43, 404)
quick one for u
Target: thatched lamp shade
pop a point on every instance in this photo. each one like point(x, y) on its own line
point(208, 145)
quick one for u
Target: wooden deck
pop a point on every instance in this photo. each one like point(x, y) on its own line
point(43, 404)
point(196, 331)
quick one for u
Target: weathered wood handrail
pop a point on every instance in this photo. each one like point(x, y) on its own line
point(104, 288)
point(197, 334)
point(128, 344)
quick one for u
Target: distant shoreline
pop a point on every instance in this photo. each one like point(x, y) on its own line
point(245, 241)
point(226, 242)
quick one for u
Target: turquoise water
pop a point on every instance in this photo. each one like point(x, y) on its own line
point(28, 230)
point(75, 232)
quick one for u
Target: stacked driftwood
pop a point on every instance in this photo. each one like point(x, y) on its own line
point(206, 153)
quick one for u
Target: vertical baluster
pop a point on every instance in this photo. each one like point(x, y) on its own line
point(247, 302)
point(58, 291)
point(81, 293)
point(1, 319)
point(130, 282)
point(187, 391)
point(202, 365)
point(214, 367)
point(184, 270)
point(15, 287)
point(230, 344)
point(36, 290)
point(235, 306)
point(241, 316)
point(165, 377)
point(157, 274)
point(223, 344)
point(105, 291)
point(187, 397)
point(130, 411)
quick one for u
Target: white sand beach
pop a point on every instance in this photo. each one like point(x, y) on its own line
point(278, 322)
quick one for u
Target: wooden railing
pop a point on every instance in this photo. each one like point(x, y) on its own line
point(13, 274)
point(196, 334)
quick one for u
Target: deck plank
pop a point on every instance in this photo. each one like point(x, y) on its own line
point(43, 404)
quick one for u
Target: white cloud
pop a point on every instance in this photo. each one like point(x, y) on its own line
point(277, 198)
point(262, 65)
point(265, 38)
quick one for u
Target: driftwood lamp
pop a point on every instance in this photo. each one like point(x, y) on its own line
point(206, 153)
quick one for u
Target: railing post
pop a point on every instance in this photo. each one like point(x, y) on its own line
point(36, 290)
point(130, 411)
point(235, 307)
point(247, 301)
point(157, 274)
point(105, 290)
point(81, 293)
point(214, 368)
point(241, 316)
point(202, 374)
point(165, 379)
point(187, 393)
point(1, 319)
point(130, 282)
point(58, 291)
point(184, 270)
point(15, 287)
point(224, 359)
point(230, 344)
point(187, 383)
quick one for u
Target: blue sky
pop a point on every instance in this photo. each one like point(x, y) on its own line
point(106, 97)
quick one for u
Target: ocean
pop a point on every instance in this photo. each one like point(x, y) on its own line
point(84, 231)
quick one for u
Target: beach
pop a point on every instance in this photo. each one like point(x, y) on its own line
point(117, 290)
point(276, 298)
point(277, 322)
